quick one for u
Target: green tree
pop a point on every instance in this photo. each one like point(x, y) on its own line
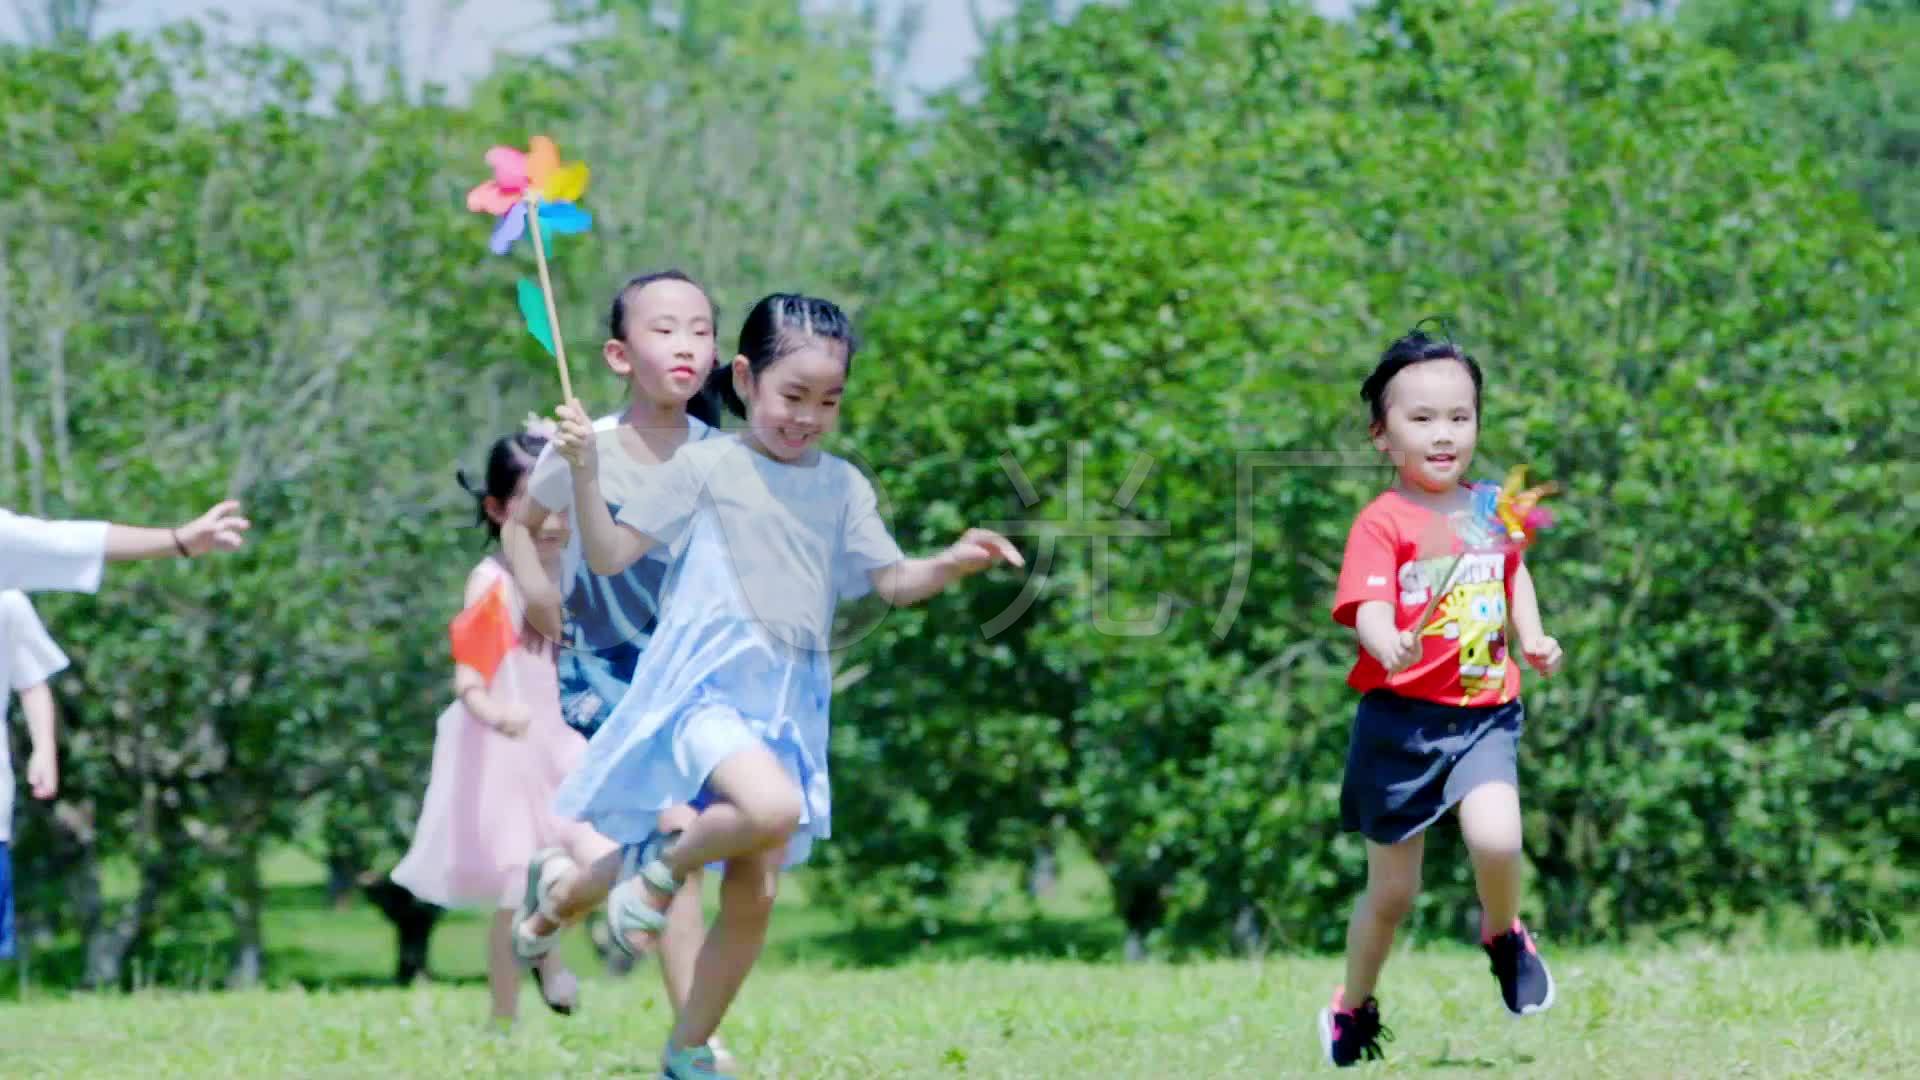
point(216, 278)
point(257, 344)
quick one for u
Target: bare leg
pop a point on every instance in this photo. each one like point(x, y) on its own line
point(746, 908)
point(1490, 825)
point(503, 971)
point(765, 814)
point(758, 808)
point(1393, 880)
point(686, 923)
point(579, 892)
point(558, 986)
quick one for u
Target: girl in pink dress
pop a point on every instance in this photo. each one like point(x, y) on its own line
point(499, 754)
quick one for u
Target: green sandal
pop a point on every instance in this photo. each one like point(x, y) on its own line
point(627, 909)
point(694, 1063)
point(543, 873)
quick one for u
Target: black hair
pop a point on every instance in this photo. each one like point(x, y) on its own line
point(777, 326)
point(703, 406)
point(1414, 347)
point(511, 458)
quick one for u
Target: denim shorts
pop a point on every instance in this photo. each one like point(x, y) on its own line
point(1410, 761)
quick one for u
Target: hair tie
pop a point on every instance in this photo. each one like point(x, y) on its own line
point(1444, 322)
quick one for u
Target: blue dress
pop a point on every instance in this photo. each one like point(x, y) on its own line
point(741, 654)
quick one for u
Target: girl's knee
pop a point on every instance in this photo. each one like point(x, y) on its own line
point(1502, 846)
point(1390, 898)
point(774, 815)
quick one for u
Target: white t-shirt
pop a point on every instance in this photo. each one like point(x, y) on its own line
point(36, 555)
point(605, 611)
point(800, 537)
point(28, 657)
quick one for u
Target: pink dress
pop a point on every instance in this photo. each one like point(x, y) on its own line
point(489, 801)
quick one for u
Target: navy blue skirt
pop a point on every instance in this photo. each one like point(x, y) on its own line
point(1410, 761)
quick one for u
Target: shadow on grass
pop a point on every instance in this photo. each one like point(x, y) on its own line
point(1446, 1060)
point(882, 945)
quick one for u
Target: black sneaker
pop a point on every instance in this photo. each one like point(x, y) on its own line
point(1525, 983)
point(1350, 1036)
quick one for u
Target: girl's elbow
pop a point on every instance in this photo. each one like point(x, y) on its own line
point(890, 585)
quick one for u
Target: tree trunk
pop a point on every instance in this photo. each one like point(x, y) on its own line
point(343, 880)
point(114, 935)
point(1249, 937)
point(1042, 871)
point(7, 447)
point(249, 901)
point(55, 339)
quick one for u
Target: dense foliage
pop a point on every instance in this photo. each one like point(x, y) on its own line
point(1119, 290)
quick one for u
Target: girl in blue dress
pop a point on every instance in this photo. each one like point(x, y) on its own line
point(766, 533)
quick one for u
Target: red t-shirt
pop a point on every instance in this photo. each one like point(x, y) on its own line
point(1398, 552)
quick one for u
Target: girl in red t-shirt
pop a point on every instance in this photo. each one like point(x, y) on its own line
point(1440, 717)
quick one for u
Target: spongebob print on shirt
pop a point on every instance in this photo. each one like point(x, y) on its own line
point(1473, 614)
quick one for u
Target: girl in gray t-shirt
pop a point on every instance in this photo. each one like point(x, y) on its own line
point(765, 533)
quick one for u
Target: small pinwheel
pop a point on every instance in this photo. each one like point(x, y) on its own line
point(536, 182)
point(1508, 517)
point(1504, 519)
point(534, 188)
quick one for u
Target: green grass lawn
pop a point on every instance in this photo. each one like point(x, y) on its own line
point(1037, 996)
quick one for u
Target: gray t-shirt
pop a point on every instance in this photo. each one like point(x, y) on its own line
point(800, 537)
point(28, 657)
point(603, 612)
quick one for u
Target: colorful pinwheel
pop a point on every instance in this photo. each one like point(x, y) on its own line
point(534, 189)
point(1504, 519)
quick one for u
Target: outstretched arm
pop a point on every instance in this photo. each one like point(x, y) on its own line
point(219, 529)
point(70, 556)
point(910, 581)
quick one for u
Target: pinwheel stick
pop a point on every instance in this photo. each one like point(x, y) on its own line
point(546, 292)
point(1446, 585)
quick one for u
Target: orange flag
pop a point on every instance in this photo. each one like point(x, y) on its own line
point(483, 634)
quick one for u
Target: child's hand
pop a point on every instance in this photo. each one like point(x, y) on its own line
point(512, 719)
point(574, 440)
point(219, 529)
point(1543, 653)
point(978, 549)
point(1397, 653)
point(43, 774)
point(1406, 650)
